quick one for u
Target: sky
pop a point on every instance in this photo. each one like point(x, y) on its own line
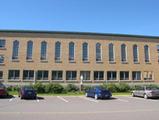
point(139, 17)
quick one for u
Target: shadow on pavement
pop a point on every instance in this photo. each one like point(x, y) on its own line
point(7, 97)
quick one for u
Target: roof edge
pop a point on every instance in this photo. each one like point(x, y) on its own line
point(77, 33)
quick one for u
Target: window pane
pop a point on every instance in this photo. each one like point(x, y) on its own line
point(15, 49)
point(29, 50)
point(123, 53)
point(57, 51)
point(71, 51)
point(1, 59)
point(136, 75)
point(98, 75)
point(98, 52)
point(14, 74)
point(43, 50)
point(135, 53)
point(146, 49)
point(111, 52)
point(85, 51)
point(1, 74)
point(56, 75)
point(85, 74)
point(2, 43)
point(124, 75)
point(111, 75)
point(71, 75)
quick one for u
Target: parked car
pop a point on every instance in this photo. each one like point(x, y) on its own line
point(3, 90)
point(27, 92)
point(98, 92)
point(146, 92)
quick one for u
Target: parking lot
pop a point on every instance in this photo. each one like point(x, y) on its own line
point(78, 108)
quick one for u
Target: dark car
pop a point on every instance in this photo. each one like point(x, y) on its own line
point(146, 92)
point(27, 92)
point(3, 91)
point(98, 92)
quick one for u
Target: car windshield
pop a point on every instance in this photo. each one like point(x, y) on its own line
point(28, 88)
point(2, 86)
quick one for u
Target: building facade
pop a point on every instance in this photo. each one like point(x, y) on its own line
point(29, 56)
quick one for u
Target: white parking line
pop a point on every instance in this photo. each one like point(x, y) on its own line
point(122, 100)
point(61, 98)
point(92, 100)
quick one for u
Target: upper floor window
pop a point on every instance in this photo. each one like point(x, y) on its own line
point(2, 43)
point(71, 51)
point(1, 59)
point(111, 52)
point(158, 51)
point(57, 51)
point(147, 54)
point(135, 54)
point(29, 50)
point(98, 52)
point(85, 52)
point(15, 52)
point(43, 50)
point(123, 53)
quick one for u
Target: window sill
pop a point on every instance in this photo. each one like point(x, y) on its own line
point(136, 62)
point(99, 80)
point(112, 62)
point(86, 61)
point(72, 61)
point(13, 80)
point(28, 80)
point(57, 80)
point(99, 62)
point(43, 80)
point(29, 60)
point(2, 64)
point(148, 62)
point(112, 80)
point(58, 61)
point(125, 62)
point(1, 80)
point(44, 61)
point(15, 60)
point(3, 48)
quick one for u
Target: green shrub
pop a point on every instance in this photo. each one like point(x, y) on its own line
point(85, 88)
point(123, 87)
point(54, 88)
point(72, 88)
point(39, 87)
point(13, 88)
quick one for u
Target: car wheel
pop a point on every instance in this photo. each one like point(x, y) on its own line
point(145, 96)
point(86, 94)
point(21, 97)
point(96, 96)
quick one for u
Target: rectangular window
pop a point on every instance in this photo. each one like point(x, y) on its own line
point(98, 75)
point(42, 75)
point(111, 75)
point(71, 75)
point(57, 75)
point(136, 75)
point(1, 75)
point(124, 75)
point(157, 47)
point(2, 43)
point(148, 75)
point(14, 74)
point(1, 59)
point(85, 74)
point(28, 75)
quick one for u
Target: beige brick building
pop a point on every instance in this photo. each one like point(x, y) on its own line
point(29, 56)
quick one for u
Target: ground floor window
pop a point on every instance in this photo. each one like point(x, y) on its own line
point(98, 75)
point(42, 75)
point(136, 75)
point(124, 75)
point(71, 75)
point(148, 75)
point(57, 75)
point(1, 75)
point(85, 74)
point(14, 74)
point(111, 75)
point(28, 74)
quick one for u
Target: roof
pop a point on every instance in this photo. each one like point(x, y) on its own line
point(78, 33)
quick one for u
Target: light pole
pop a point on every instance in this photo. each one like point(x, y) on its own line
point(81, 82)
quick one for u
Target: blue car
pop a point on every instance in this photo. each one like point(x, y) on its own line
point(98, 92)
point(27, 92)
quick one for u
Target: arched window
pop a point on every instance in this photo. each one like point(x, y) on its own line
point(29, 50)
point(111, 52)
point(57, 51)
point(135, 54)
point(71, 51)
point(15, 49)
point(43, 50)
point(147, 54)
point(85, 51)
point(98, 52)
point(123, 53)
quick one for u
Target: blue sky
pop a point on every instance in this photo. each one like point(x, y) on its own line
point(102, 16)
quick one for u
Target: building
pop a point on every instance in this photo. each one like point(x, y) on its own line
point(29, 56)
